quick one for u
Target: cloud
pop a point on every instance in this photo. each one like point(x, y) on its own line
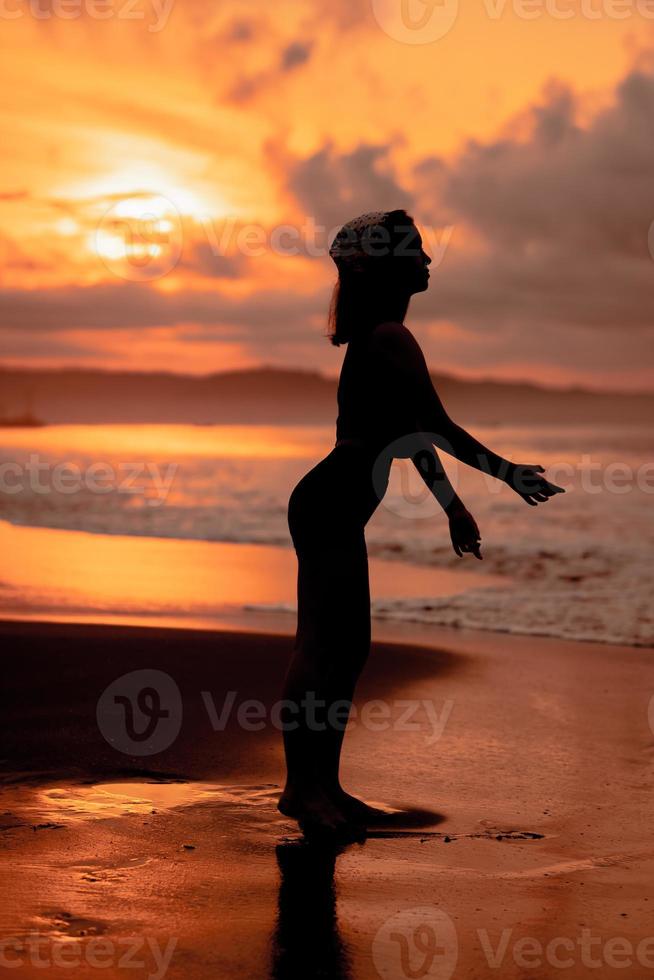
point(295, 54)
point(548, 263)
point(292, 56)
point(131, 306)
point(11, 196)
point(553, 228)
point(240, 31)
point(202, 258)
point(334, 187)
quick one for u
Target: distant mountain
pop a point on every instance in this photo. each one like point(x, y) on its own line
point(278, 396)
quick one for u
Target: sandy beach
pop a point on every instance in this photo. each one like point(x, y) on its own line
point(292, 293)
point(521, 767)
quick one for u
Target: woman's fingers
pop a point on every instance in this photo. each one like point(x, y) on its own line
point(535, 489)
point(543, 493)
point(529, 482)
point(466, 538)
point(545, 486)
point(471, 546)
point(550, 488)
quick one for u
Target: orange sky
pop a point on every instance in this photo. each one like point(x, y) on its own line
point(164, 161)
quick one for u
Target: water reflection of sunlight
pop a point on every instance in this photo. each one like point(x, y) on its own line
point(117, 799)
point(209, 441)
point(74, 573)
point(101, 801)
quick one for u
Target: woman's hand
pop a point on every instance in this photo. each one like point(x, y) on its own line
point(528, 484)
point(464, 532)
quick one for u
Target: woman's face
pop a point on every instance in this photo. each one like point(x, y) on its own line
point(415, 262)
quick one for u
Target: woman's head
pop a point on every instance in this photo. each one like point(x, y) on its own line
point(381, 263)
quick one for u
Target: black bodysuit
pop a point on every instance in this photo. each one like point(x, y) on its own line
point(377, 404)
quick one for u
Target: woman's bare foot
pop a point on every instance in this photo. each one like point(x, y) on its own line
point(320, 815)
point(360, 811)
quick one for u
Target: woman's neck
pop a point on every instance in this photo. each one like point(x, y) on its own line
point(393, 311)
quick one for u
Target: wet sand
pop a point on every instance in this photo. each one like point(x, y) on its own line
point(523, 767)
point(56, 574)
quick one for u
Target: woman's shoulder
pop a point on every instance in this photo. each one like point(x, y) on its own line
point(392, 337)
point(390, 330)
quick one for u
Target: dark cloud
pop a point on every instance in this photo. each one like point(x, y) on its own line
point(130, 306)
point(248, 86)
point(565, 184)
point(19, 345)
point(548, 263)
point(240, 31)
point(550, 232)
point(202, 258)
point(560, 221)
point(295, 54)
point(334, 187)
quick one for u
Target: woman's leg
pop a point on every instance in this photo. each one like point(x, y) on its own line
point(332, 645)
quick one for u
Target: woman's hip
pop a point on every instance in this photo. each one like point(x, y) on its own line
point(333, 502)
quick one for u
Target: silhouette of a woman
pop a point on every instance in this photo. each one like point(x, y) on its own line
point(387, 407)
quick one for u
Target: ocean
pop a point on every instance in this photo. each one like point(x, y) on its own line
point(579, 566)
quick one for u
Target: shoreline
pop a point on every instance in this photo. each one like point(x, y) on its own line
point(78, 576)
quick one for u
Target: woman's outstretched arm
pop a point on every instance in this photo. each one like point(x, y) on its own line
point(463, 527)
point(398, 344)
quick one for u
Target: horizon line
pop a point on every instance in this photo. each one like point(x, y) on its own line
point(272, 368)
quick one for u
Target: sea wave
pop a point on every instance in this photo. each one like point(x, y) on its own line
point(594, 595)
point(579, 567)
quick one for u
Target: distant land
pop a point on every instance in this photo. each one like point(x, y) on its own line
point(285, 396)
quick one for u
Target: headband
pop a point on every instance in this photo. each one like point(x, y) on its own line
point(349, 246)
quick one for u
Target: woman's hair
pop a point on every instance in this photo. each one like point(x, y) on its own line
point(369, 286)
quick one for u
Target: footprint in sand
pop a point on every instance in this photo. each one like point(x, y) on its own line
point(59, 925)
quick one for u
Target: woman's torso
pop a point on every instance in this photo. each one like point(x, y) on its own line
point(374, 401)
point(336, 498)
